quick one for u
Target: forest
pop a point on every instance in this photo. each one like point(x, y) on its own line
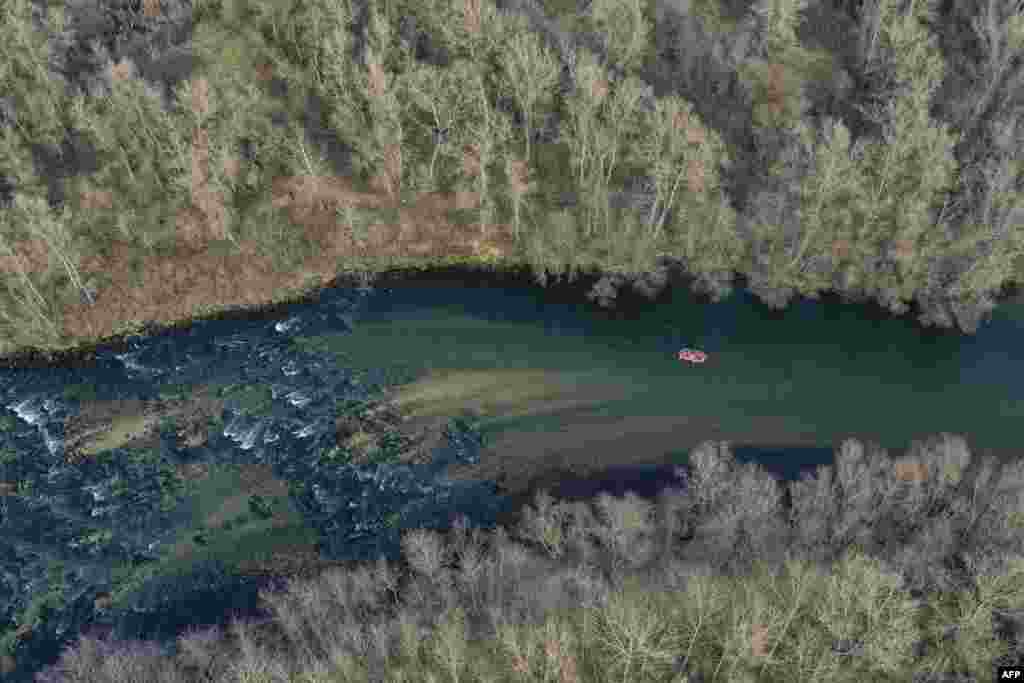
point(162, 160)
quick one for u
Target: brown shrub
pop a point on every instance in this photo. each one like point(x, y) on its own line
point(264, 72)
point(903, 249)
point(776, 88)
point(378, 80)
point(393, 168)
point(567, 670)
point(471, 21)
point(121, 71)
point(683, 123)
point(759, 640)
point(97, 199)
point(840, 250)
point(695, 175)
point(520, 664)
point(911, 471)
point(696, 134)
point(564, 661)
point(201, 97)
point(200, 159)
point(232, 167)
point(680, 121)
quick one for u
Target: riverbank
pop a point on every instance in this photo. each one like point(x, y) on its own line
point(146, 290)
point(261, 291)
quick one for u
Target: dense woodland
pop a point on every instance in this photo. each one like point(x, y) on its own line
point(866, 148)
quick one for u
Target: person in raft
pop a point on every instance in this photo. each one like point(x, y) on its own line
point(693, 355)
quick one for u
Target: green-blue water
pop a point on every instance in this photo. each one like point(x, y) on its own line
point(555, 377)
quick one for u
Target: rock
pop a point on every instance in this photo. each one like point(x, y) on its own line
point(102, 602)
point(425, 437)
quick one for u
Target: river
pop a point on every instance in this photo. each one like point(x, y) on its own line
point(554, 391)
point(558, 379)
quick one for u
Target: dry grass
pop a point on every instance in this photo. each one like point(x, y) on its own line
point(393, 169)
point(175, 286)
point(471, 160)
point(30, 256)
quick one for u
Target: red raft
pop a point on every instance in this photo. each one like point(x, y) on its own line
point(693, 356)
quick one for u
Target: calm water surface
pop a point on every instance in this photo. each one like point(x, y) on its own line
point(554, 377)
